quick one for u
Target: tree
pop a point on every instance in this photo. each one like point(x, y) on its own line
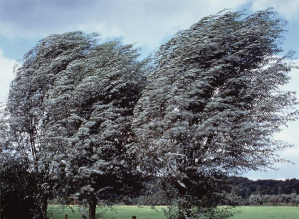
point(69, 115)
point(25, 109)
point(211, 106)
point(87, 124)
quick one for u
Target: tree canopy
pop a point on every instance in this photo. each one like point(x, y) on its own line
point(25, 108)
point(89, 114)
point(212, 105)
point(69, 117)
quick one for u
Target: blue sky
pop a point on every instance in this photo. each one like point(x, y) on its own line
point(148, 24)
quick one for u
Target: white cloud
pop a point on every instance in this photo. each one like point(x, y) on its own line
point(287, 8)
point(150, 23)
point(146, 22)
point(6, 75)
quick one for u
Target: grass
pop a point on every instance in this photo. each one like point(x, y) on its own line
point(267, 212)
point(145, 212)
point(119, 212)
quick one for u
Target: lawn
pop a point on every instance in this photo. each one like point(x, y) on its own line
point(145, 212)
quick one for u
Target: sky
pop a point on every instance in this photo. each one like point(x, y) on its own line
point(145, 23)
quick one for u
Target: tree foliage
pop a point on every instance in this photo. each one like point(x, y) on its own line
point(213, 103)
point(25, 107)
point(69, 112)
point(89, 114)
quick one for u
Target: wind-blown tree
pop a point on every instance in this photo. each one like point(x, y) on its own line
point(211, 107)
point(25, 107)
point(88, 124)
point(69, 112)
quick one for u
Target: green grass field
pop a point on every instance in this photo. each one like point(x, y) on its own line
point(264, 212)
point(119, 212)
point(145, 212)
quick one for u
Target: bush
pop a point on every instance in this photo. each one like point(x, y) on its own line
point(17, 192)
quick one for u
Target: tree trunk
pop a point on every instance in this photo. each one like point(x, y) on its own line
point(184, 213)
point(92, 208)
point(184, 205)
point(44, 206)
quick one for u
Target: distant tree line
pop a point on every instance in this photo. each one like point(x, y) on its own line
point(244, 187)
point(263, 192)
point(242, 191)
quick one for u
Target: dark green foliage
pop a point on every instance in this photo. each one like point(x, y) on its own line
point(17, 191)
point(262, 192)
point(266, 187)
